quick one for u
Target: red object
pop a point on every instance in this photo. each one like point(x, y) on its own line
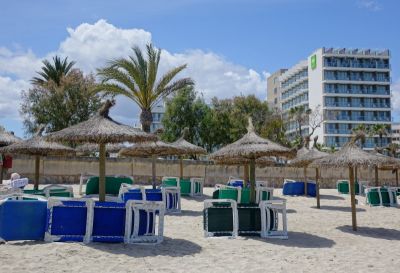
point(7, 162)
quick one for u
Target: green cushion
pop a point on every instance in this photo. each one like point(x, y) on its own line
point(112, 184)
point(343, 187)
point(197, 186)
point(249, 219)
point(170, 182)
point(228, 193)
point(35, 192)
point(185, 186)
point(265, 196)
point(219, 220)
point(245, 196)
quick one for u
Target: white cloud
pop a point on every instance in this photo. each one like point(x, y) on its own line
point(10, 91)
point(371, 5)
point(92, 45)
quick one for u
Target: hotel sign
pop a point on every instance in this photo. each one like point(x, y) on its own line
point(313, 62)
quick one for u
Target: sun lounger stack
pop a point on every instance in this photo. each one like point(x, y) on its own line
point(188, 187)
point(297, 188)
point(242, 195)
point(80, 220)
point(52, 191)
point(170, 196)
point(224, 217)
point(381, 196)
point(113, 184)
point(343, 187)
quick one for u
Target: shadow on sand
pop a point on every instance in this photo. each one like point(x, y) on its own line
point(291, 211)
point(169, 247)
point(337, 208)
point(301, 240)
point(378, 233)
point(193, 213)
point(331, 197)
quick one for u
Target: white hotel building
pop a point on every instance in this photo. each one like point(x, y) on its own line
point(351, 87)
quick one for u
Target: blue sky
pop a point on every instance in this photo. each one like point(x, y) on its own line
point(245, 39)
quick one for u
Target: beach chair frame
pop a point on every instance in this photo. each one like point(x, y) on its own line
point(200, 182)
point(47, 189)
point(262, 184)
point(156, 209)
point(277, 207)
point(391, 192)
point(210, 203)
point(52, 202)
point(175, 200)
point(261, 190)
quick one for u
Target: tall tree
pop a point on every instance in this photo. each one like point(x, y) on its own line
point(299, 114)
point(380, 130)
point(136, 78)
point(53, 73)
point(60, 107)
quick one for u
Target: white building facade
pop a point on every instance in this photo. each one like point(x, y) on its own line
point(351, 87)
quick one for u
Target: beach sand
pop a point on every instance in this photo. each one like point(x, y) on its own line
point(319, 241)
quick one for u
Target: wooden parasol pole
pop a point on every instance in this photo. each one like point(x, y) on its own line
point(317, 187)
point(376, 177)
point(397, 177)
point(153, 171)
point(305, 180)
point(356, 174)
point(102, 172)
point(252, 180)
point(353, 198)
point(180, 167)
point(37, 172)
point(245, 174)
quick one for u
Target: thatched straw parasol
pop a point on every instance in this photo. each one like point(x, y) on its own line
point(93, 148)
point(304, 160)
point(260, 162)
point(6, 138)
point(351, 156)
point(152, 149)
point(391, 164)
point(101, 129)
point(37, 146)
point(251, 146)
point(186, 148)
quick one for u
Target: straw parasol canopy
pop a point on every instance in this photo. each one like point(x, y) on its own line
point(93, 148)
point(351, 156)
point(304, 160)
point(187, 148)
point(391, 164)
point(37, 146)
point(101, 129)
point(7, 138)
point(251, 146)
point(153, 149)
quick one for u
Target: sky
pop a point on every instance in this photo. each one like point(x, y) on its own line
point(230, 46)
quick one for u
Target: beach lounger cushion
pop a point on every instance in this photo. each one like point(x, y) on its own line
point(113, 184)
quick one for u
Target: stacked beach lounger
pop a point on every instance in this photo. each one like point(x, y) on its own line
point(343, 187)
point(230, 213)
point(22, 217)
point(187, 187)
point(381, 196)
point(297, 188)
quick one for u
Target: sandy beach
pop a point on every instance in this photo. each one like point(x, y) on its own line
point(319, 241)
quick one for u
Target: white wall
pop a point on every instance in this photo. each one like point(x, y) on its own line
point(315, 89)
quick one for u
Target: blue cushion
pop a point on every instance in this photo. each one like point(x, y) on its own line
point(108, 222)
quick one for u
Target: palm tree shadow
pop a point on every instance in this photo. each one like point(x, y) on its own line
point(338, 208)
point(169, 247)
point(378, 233)
point(301, 240)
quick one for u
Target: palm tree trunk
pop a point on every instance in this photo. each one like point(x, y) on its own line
point(146, 118)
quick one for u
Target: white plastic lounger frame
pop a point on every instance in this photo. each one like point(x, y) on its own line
point(178, 184)
point(83, 179)
point(172, 195)
point(52, 202)
point(47, 189)
point(278, 207)
point(126, 187)
point(154, 210)
point(21, 196)
point(193, 182)
point(209, 203)
point(261, 190)
point(18, 183)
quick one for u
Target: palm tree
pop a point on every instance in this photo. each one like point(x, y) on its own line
point(380, 130)
point(299, 114)
point(136, 78)
point(360, 130)
point(393, 149)
point(53, 72)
